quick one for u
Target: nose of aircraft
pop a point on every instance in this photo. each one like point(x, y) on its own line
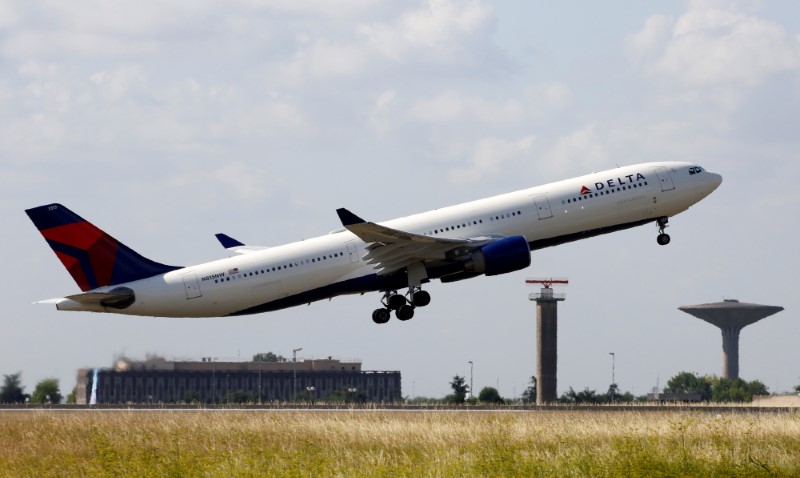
point(716, 180)
point(712, 182)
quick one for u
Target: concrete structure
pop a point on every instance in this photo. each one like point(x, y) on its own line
point(157, 380)
point(731, 317)
point(546, 340)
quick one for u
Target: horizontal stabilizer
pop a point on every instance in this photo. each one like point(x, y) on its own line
point(118, 298)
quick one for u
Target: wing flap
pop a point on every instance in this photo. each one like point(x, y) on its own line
point(389, 250)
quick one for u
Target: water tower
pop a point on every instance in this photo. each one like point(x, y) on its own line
point(546, 338)
point(731, 316)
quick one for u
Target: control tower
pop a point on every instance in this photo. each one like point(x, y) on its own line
point(731, 316)
point(546, 338)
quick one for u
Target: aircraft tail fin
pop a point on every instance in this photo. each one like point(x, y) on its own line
point(92, 257)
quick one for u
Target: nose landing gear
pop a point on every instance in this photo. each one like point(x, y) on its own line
point(663, 238)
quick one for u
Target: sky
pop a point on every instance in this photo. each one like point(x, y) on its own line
point(167, 122)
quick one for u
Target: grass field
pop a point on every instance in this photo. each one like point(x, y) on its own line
point(393, 443)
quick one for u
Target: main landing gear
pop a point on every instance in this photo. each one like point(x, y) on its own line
point(402, 306)
point(663, 238)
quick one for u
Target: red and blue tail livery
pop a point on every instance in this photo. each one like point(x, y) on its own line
point(92, 257)
point(395, 258)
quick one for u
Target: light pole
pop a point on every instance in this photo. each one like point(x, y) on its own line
point(613, 380)
point(310, 391)
point(294, 373)
point(471, 393)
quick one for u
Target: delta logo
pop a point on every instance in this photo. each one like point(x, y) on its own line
point(612, 183)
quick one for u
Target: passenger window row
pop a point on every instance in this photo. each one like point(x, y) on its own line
point(474, 222)
point(604, 192)
point(285, 266)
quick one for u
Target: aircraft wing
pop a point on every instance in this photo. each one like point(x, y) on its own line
point(233, 245)
point(391, 249)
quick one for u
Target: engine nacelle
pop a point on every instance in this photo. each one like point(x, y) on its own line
point(500, 257)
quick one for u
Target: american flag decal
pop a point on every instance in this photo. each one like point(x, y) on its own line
point(235, 270)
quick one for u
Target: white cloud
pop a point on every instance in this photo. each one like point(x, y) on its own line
point(38, 135)
point(547, 97)
point(654, 33)
point(339, 8)
point(266, 119)
point(488, 156)
point(248, 182)
point(115, 85)
point(8, 15)
point(439, 28)
point(37, 43)
point(451, 106)
point(719, 44)
point(379, 116)
point(38, 69)
point(323, 60)
point(582, 150)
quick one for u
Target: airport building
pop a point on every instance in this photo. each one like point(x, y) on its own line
point(157, 380)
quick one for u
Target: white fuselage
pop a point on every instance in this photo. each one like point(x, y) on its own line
point(332, 264)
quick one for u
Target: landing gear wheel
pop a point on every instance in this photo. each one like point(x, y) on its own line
point(381, 316)
point(421, 298)
point(405, 312)
point(395, 301)
point(662, 223)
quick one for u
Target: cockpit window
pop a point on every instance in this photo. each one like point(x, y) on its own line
point(695, 170)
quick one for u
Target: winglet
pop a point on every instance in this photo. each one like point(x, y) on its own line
point(227, 241)
point(348, 218)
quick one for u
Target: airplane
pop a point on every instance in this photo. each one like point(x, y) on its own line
point(488, 237)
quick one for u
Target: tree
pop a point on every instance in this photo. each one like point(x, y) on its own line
point(736, 390)
point(460, 387)
point(797, 388)
point(72, 398)
point(490, 395)
point(239, 396)
point(529, 395)
point(757, 387)
point(688, 382)
point(626, 397)
point(586, 396)
point(613, 392)
point(47, 391)
point(12, 390)
point(268, 357)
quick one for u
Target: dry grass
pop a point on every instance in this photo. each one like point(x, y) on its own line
point(392, 443)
